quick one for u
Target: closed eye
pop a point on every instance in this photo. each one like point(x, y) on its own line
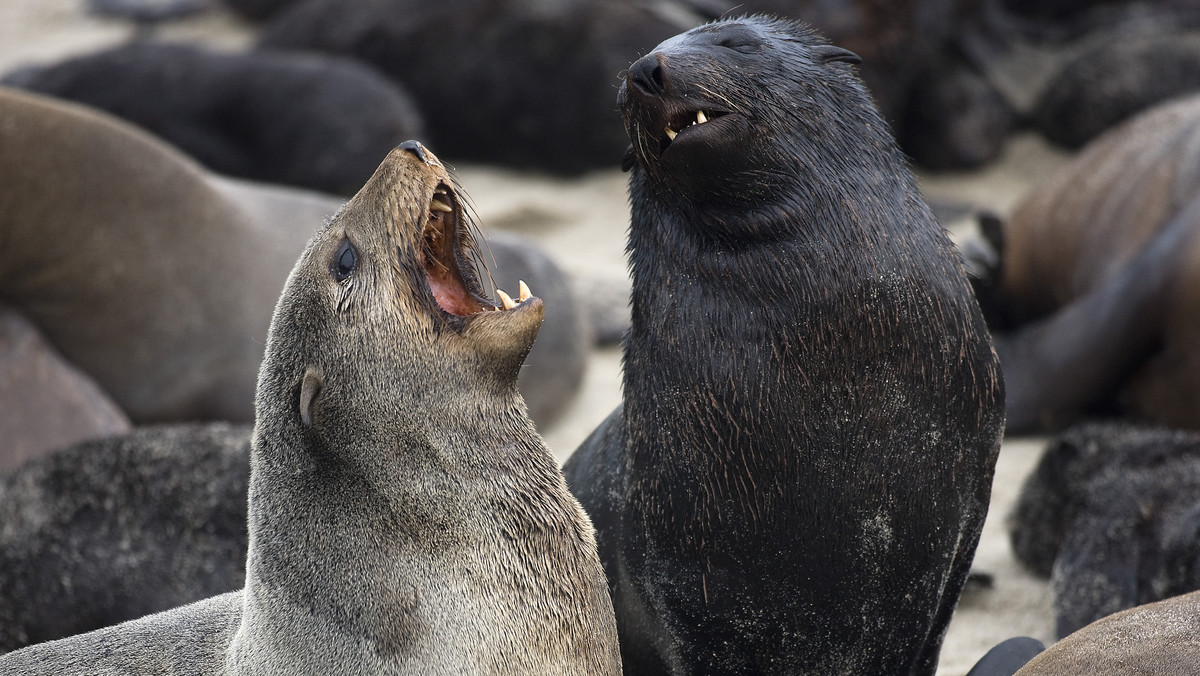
point(739, 40)
point(740, 47)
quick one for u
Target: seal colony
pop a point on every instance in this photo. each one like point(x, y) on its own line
point(797, 477)
point(404, 515)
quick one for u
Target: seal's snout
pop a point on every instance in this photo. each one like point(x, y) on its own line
point(646, 76)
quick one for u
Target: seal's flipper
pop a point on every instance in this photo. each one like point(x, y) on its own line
point(1054, 368)
point(1007, 657)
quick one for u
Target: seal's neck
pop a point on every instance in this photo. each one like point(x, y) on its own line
point(372, 554)
point(742, 351)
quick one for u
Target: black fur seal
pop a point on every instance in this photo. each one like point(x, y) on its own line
point(1111, 515)
point(404, 516)
point(799, 472)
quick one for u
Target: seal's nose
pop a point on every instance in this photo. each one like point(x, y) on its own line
point(646, 76)
point(419, 150)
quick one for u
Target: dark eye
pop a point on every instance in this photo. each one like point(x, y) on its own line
point(344, 261)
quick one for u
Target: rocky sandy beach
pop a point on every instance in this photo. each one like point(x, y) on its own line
point(582, 222)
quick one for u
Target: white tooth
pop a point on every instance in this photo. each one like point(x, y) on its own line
point(438, 205)
point(525, 295)
point(671, 133)
point(505, 300)
point(700, 119)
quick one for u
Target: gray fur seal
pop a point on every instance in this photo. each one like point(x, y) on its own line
point(798, 475)
point(404, 516)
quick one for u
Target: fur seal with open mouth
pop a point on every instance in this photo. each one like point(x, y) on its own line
point(157, 278)
point(405, 517)
point(798, 474)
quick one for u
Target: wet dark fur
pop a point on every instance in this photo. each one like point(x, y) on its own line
point(1111, 515)
point(799, 472)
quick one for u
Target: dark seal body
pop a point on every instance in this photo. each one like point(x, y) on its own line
point(404, 515)
point(798, 474)
point(116, 528)
point(1111, 515)
point(267, 116)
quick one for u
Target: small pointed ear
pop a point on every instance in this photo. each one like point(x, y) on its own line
point(310, 387)
point(830, 53)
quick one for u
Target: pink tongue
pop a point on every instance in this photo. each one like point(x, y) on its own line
point(450, 296)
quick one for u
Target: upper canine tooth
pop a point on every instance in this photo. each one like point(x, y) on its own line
point(505, 300)
point(525, 295)
point(670, 133)
point(700, 118)
point(438, 205)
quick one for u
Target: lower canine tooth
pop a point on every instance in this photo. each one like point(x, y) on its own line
point(700, 118)
point(505, 300)
point(670, 134)
point(525, 295)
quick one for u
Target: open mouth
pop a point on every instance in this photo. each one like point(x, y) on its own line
point(445, 247)
point(685, 124)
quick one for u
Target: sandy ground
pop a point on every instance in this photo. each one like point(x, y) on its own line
point(583, 222)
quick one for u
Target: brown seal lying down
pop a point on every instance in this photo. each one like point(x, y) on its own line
point(1097, 298)
point(1158, 639)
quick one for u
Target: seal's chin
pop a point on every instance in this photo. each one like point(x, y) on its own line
point(445, 247)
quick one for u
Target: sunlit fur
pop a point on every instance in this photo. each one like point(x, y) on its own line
point(799, 472)
point(404, 515)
